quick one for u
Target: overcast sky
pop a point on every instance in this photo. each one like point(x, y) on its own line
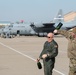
point(34, 10)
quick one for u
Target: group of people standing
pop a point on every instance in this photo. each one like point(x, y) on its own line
point(50, 51)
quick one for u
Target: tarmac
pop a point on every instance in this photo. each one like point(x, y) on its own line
point(18, 55)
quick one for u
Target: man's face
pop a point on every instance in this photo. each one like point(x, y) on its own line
point(50, 37)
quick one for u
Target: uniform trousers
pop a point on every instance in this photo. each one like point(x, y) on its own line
point(48, 66)
point(72, 66)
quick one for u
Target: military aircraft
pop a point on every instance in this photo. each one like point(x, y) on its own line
point(18, 29)
point(43, 28)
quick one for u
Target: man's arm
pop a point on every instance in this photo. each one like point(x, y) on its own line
point(43, 52)
point(65, 33)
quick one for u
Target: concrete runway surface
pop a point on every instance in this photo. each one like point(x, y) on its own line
point(18, 56)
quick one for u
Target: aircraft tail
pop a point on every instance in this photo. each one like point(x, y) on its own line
point(59, 17)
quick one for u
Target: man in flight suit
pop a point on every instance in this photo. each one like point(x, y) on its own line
point(71, 36)
point(48, 54)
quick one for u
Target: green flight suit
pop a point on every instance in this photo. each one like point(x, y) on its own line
point(51, 49)
point(71, 50)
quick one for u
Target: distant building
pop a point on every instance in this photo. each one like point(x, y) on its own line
point(4, 23)
point(69, 16)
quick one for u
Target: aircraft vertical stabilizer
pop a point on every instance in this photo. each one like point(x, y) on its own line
point(59, 17)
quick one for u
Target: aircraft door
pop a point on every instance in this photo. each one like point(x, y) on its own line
point(18, 32)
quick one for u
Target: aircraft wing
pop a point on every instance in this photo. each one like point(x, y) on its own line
point(48, 24)
point(67, 28)
point(46, 27)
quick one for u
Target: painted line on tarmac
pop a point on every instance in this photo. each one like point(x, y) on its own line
point(25, 55)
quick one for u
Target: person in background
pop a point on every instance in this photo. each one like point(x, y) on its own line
point(48, 54)
point(71, 36)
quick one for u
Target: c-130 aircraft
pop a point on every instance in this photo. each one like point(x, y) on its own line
point(43, 28)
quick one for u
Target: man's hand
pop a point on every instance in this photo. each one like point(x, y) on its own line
point(38, 59)
point(55, 31)
point(44, 56)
